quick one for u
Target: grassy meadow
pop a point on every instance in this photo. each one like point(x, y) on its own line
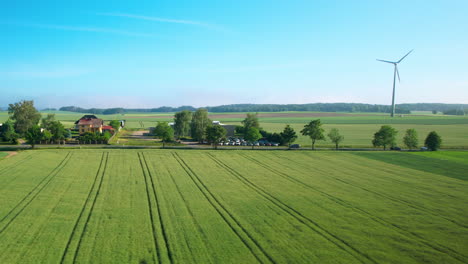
point(357, 128)
point(234, 206)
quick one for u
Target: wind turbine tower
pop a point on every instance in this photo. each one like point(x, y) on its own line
point(395, 74)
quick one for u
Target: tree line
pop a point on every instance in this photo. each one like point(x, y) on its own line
point(23, 122)
point(315, 107)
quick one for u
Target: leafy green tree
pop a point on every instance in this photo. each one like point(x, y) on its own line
point(239, 130)
point(7, 132)
point(59, 133)
point(115, 124)
point(314, 130)
point(87, 138)
point(386, 136)
point(411, 138)
point(33, 135)
point(182, 123)
point(25, 116)
point(106, 136)
point(252, 135)
point(434, 112)
point(335, 137)
point(214, 134)
point(46, 121)
point(46, 136)
point(288, 136)
point(251, 120)
point(200, 122)
point(433, 141)
point(164, 132)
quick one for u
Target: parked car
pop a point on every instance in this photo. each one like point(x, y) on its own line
point(424, 148)
point(275, 144)
point(295, 146)
point(395, 148)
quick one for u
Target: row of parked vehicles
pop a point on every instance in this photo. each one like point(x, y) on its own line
point(233, 141)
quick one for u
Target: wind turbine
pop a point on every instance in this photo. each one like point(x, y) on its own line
point(395, 74)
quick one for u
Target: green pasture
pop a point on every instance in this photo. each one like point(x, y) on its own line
point(205, 206)
point(3, 154)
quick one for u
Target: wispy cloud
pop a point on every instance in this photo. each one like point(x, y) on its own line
point(164, 20)
point(86, 29)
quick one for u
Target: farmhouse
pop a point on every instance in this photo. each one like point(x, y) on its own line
point(89, 123)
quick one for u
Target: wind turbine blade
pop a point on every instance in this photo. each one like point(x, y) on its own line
point(397, 73)
point(405, 56)
point(386, 61)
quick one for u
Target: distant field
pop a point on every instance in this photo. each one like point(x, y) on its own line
point(357, 128)
point(193, 206)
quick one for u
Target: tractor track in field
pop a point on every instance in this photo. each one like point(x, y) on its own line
point(158, 206)
point(440, 248)
point(314, 226)
point(93, 203)
point(219, 207)
point(12, 166)
point(156, 245)
point(20, 206)
point(401, 201)
point(6, 182)
point(88, 198)
point(195, 222)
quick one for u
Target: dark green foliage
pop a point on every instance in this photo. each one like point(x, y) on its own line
point(335, 137)
point(59, 133)
point(33, 135)
point(164, 132)
point(115, 124)
point(386, 136)
point(411, 138)
point(7, 133)
point(458, 111)
point(239, 130)
point(25, 116)
point(182, 123)
point(251, 120)
point(46, 122)
point(252, 135)
point(433, 141)
point(46, 136)
point(214, 134)
point(314, 130)
point(200, 122)
point(288, 136)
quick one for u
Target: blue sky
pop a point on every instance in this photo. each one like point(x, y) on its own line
point(154, 53)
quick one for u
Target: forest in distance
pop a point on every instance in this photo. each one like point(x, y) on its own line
point(450, 109)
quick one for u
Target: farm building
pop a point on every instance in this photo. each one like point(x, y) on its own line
point(108, 128)
point(89, 123)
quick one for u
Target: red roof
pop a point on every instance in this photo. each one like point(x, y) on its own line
point(107, 128)
point(88, 121)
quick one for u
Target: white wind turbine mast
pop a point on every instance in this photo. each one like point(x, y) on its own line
point(395, 74)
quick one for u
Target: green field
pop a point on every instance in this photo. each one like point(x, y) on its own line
point(204, 206)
